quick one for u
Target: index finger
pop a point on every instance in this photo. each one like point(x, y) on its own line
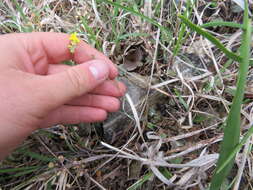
point(55, 47)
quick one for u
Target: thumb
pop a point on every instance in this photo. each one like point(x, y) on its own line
point(75, 81)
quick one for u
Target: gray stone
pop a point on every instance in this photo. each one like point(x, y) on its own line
point(137, 87)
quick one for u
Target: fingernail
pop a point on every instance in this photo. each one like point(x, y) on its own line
point(99, 70)
point(121, 87)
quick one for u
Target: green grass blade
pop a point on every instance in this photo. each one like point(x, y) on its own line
point(211, 38)
point(22, 14)
point(40, 157)
point(89, 31)
point(221, 23)
point(214, 40)
point(236, 149)
point(141, 181)
point(181, 100)
point(10, 170)
point(180, 39)
point(17, 172)
point(251, 62)
point(232, 129)
point(150, 20)
point(182, 30)
point(131, 35)
point(24, 173)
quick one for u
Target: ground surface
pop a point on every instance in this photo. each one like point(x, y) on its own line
point(182, 128)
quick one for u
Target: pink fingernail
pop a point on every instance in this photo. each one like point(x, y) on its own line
point(99, 69)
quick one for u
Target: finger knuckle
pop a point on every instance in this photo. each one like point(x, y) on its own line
point(77, 81)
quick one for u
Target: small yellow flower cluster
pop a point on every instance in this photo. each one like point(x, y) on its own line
point(74, 41)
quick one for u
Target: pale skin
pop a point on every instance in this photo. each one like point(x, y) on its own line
point(37, 91)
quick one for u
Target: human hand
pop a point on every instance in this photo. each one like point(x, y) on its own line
point(37, 91)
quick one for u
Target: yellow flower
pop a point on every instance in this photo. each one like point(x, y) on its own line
point(74, 39)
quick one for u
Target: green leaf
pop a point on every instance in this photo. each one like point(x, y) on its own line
point(236, 149)
point(141, 181)
point(181, 36)
point(251, 62)
point(165, 172)
point(211, 38)
point(12, 170)
point(37, 156)
point(221, 23)
point(17, 172)
point(178, 160)
point(181, 100)
point(134, 12)
point(232, 129)
point(200, 118)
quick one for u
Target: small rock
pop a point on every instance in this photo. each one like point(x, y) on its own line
point(118, 121)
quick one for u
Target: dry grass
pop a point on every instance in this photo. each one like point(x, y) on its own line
point(172, 144)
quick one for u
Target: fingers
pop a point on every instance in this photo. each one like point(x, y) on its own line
point(53, 48)
point(107, 88)
point(62, 87)
point(110, 88)
point(107, 103)
point(57, 68)
point(74, 115)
